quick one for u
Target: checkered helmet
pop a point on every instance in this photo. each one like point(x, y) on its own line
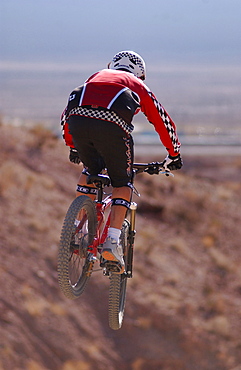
point(129, 61)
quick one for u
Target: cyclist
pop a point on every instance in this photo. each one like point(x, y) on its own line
point(97, 126)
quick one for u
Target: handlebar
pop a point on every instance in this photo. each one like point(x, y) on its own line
point(151, 168)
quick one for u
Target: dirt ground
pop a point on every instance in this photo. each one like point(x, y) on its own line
point(184, 302)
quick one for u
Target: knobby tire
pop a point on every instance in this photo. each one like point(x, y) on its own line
point(118, 284)
point(74, 260)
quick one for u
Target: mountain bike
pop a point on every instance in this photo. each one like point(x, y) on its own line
point(83, 233)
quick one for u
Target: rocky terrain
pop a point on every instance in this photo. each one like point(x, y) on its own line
point(183, 308)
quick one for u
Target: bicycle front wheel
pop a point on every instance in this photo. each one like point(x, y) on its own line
point(74, 261)
point(118, 285)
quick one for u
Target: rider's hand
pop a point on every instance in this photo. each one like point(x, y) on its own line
point(74, 156)
point(153, 169)
point(172, 163)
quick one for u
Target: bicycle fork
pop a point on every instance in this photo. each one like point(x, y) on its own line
point(131, 238)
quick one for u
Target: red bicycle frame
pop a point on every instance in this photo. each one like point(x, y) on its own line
point(101, 232)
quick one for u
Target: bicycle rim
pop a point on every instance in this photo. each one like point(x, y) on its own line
point(118, 285)
point(74, 261)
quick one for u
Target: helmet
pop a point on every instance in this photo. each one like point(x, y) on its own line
point(129, 61)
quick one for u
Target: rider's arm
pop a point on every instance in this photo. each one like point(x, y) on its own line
point(164, 125)
point(73, 154)
point(65, 130)
point(72, 102)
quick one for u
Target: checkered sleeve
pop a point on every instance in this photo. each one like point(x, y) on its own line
point(164, 125)
point(65, 130)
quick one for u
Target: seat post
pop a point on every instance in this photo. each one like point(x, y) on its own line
point(100, 181)
point(100, 187)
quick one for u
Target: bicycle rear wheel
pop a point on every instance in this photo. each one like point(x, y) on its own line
point(118, 285)
point(74, 261)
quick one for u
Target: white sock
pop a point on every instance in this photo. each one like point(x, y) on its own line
point(114, 233)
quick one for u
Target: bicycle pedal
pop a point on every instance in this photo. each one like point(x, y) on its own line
point(112, 266)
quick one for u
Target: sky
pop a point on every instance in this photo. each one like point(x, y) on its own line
point(61, 31)
point(192, 51)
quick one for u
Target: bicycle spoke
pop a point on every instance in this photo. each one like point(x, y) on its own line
point(74, 265)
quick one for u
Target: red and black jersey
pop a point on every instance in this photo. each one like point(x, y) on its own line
point(125, 95)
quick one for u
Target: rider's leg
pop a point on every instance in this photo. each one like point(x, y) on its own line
point(82, 182)
point(112, 249)
point(118, 212)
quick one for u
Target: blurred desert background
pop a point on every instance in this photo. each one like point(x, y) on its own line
point(184, 301)
point(183, 309)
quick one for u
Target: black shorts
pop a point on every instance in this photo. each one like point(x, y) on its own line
point(103, 144)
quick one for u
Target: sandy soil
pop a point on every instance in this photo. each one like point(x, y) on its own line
point(184, 302)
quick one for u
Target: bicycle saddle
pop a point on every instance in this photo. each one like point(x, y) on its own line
point(101, 179)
